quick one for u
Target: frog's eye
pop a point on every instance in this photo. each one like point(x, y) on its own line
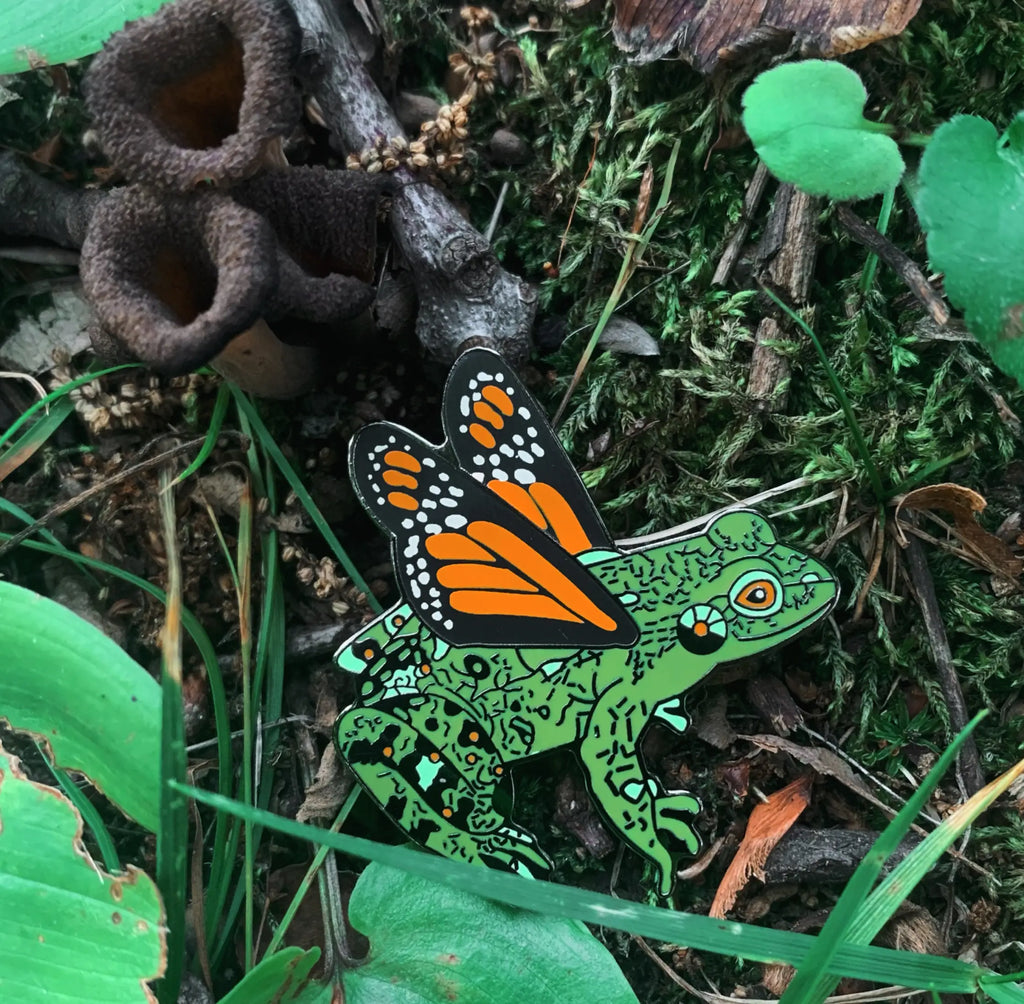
point(701, 629)
point(757, 594)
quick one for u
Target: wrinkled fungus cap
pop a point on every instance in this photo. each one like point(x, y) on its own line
point(326, 227)
point(198, 92)
point(174, 279)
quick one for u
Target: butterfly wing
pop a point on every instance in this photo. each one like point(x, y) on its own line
point(500, 435)
point(475, 571)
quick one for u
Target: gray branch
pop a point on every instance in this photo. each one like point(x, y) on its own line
point(465, 296)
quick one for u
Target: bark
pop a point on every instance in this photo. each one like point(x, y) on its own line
point(464, 293)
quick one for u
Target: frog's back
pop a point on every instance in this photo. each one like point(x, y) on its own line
point(392, 655)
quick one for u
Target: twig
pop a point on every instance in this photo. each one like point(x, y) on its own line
point(902, 265)
point(98, 489)
point(576, 200)
point(34, 206)
point(891, 993)
point(785, 256)
point(638, 239)
point(492, 224)
point(673, 975)
point(924, 590)
point(40, 256)
point(755, 191)
point(660, 536)
point(463, 291)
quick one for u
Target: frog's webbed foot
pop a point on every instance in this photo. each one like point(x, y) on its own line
point(434, 769)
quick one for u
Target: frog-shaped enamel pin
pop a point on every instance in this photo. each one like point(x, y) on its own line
point(524, 628)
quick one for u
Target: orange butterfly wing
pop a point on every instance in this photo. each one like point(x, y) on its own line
point(501, 437)
point(477, 570)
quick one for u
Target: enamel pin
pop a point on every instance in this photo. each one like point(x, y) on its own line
point(524, 628)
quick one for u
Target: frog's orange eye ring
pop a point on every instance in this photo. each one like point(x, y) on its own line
point(756, 594)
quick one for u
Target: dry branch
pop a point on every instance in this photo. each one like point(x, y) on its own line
point(465, 295)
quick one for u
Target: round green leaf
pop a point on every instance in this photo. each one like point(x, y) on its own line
point(69, 932)
point(36, 32)
point(806, 122)
point(98, 710)
point(430, 942)
point(971, 203)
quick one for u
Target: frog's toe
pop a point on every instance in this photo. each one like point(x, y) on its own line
point(530, 866)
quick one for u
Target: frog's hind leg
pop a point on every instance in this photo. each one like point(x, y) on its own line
point(434, 770)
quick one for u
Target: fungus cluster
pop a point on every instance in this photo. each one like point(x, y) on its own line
point(215, 236)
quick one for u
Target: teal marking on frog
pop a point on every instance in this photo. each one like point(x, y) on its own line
point(525, 629)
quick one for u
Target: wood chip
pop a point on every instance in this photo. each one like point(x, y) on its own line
point(769, 823)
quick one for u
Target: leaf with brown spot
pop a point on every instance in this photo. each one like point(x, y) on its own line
point(768, 823)
point(722, 30)
point(64, 918)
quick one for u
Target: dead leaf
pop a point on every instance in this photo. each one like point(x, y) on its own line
point(329, 789)
point(45, 153)
point(768, 823)
point(824, 762)
point(622, 335)
point(983, 549)
point(709, 31)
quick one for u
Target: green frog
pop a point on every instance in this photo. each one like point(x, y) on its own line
point(524, 628)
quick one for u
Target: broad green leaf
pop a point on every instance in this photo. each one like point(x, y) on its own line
point(971, 203)
point(430, 942)
point(37, 32)
point(282, 978)
point(807, 124)
point(69, 932)
point(98, 710)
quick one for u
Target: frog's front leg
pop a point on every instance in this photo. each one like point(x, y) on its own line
point(634, 802)
point(434, 769)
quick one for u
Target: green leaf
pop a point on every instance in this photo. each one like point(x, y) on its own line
point(279, 979)
point(98, 710)
point(35, 32)
point(971, 203)
point(433, 943)
point(69, 932)
point(806, 122)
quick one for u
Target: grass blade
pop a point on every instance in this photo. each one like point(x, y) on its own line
point(724, 937)
point(28, 445)
point(172, 837)
point(295, 483)
point(813, 981)
point(57, 395)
